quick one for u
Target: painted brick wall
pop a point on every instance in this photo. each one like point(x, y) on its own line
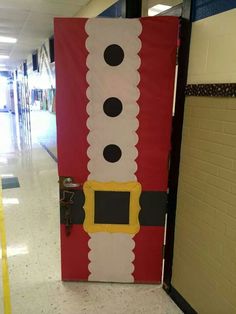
point(204, 269)
point(213, 49)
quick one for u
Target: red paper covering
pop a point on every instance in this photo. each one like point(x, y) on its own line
point(71, 100)
point(74, 254)
point(148, 254)
point(157, 71)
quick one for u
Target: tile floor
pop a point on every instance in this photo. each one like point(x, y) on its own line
point(32, 228)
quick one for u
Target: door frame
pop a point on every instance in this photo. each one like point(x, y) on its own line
point(176, 139)
point(183, 10)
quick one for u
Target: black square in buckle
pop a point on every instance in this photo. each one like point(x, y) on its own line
point(111, 207)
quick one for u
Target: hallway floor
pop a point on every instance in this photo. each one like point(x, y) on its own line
point(32, 230)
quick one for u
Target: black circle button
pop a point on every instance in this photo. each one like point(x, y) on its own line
point(112, 153)
point(112, 107)
point(114, 55)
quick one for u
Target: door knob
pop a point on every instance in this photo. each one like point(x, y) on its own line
point(68, 183)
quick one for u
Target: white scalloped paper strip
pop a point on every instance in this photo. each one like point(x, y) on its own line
point(107, 81)
point(111, 254)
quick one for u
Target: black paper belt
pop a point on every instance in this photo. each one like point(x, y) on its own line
point(152, 213)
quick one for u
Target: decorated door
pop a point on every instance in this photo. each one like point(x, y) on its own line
point(115, 82)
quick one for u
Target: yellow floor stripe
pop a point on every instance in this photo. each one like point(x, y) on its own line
point(5, 274)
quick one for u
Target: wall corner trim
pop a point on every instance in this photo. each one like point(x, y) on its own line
point(180, 301)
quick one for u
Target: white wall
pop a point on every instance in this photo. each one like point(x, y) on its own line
point(213, 49)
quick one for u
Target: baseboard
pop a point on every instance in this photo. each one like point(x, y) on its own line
point(180, 301)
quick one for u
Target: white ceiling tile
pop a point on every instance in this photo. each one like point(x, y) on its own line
point(57, 9)
point(66, 2)
point(5, 51)
point(16, 4)
point(13, 14)
point(31, 22)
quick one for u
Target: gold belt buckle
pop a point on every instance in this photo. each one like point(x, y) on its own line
point(91, 187)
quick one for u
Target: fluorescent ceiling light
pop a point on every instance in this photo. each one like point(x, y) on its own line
point(9, 40)
point(3, 160)
point(10, 175)
point(158, 9)
point(4, 57)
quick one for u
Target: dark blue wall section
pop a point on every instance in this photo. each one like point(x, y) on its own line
point(112, 11)
point(206, 8)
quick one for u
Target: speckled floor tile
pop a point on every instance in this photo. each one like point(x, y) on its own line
point(32, 228)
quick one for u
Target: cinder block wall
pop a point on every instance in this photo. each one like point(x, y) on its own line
point(204, 271)
point(204, 266)
point(213, 49)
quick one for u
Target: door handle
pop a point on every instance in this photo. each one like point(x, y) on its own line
point(68, 183)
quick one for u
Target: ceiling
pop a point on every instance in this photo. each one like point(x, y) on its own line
point(171, 3)
point(31, 22)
